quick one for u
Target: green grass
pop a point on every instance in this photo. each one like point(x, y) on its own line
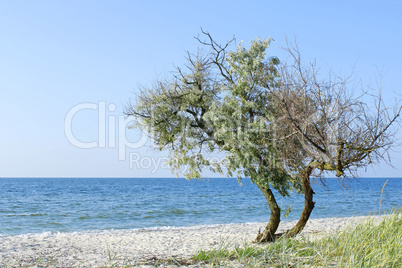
point(364, 245)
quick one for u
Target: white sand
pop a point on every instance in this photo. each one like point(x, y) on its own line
point(95, 249)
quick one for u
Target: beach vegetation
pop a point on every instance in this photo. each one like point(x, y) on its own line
point(278, 123)
point(367, 244)
point(218, 106)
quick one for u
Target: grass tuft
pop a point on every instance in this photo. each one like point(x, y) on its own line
point(368, 244)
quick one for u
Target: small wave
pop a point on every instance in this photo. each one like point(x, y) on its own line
point(119, 231)
point(27, 215)
point(38, 214)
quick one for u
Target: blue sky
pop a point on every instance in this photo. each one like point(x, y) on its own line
point(57, 55)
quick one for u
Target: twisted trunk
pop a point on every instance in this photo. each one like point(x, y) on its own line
point(268, 234)
point(308, 204)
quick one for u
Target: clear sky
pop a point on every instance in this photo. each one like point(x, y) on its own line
point(68, 67)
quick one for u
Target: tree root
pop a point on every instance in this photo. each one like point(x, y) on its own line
point(267, 237)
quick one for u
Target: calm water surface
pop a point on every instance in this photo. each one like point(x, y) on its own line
point(35, 205)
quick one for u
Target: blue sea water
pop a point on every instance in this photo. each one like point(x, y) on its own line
point(36, 205)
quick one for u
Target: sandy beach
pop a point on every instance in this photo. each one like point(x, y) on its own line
point(129, 247)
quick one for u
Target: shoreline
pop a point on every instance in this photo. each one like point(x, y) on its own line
point(125, 247)
point(161, 228)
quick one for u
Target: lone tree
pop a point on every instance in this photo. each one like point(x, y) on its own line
point(275, 123)
point(218, 104)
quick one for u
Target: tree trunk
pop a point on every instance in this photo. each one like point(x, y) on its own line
point(308, 204)
point(268, 234)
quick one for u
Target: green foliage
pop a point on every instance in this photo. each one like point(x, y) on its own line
point(219, 105)
point(287, 211)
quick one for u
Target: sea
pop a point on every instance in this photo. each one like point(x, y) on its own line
point(51, 205)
